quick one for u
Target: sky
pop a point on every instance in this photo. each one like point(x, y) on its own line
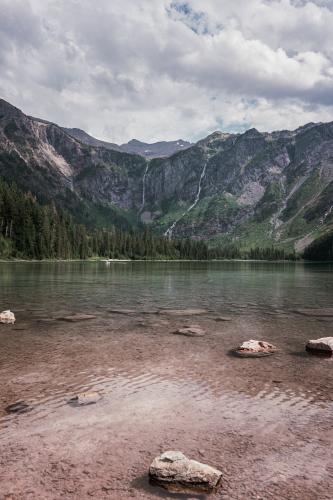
point(163, 70)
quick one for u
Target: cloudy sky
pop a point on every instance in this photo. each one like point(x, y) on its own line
point(161, 69)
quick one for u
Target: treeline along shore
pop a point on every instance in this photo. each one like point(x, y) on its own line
point(30, 230)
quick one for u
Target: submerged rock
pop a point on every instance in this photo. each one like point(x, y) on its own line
point(255, 348)
point(85, 398)
point(77, 317)
point(19, 407)
point(323, 345)
point(324, 312)
point(176, 473)
point(190, 331)
point(122, 311)
point(7, 317)
point(183, 312)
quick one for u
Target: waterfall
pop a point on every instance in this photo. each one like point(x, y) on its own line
point(144, 188)
point(169, 231)
point(324, 217)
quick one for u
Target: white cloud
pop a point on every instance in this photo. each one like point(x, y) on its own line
point(168, 69)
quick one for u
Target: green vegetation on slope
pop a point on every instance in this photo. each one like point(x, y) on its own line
point(33, 231)
point(45, 186)
point(30, 230)
point(218, 210)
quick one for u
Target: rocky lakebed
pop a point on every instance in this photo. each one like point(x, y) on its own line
point(114, 398)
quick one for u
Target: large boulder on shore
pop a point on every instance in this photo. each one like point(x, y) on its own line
point(7, 317)
point(175, 472)
point(255, 348)
point(323, 345)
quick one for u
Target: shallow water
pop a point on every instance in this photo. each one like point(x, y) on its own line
point(253, 418)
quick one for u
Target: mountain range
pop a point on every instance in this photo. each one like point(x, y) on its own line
point(245, 189)
point(148, 150)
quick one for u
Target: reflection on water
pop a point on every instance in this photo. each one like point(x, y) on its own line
point(217, 285)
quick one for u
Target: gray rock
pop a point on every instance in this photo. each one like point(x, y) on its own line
point(7, 317)
point(223, 318)
point(255, 348)
point(190, 331)
point(176, 473)
point(325, 344)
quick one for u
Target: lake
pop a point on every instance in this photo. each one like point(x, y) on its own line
point(266, 422)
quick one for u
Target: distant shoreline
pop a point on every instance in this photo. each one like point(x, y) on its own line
point(106, 261)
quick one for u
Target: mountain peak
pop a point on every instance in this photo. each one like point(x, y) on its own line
point(155, 149)
point(134, 142)
point(251, 133)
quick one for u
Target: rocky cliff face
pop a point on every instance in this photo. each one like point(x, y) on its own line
point(100, 186)
point(249, 189)
point(257, 187)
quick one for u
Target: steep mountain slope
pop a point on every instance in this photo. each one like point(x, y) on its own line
point(245, 189)
point(254, 188)
point(99, 186)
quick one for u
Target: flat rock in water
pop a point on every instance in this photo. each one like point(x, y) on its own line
point(19, 407)
point(31, 378)
point(255, 348)
point(176, 473)
point(324, 312)
point(122, 311)
point(85, 398)
point(77, 317)
point(7, 317)
point(324, 345)
point(190, 331)
point(183, 312)
point(223, 318)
